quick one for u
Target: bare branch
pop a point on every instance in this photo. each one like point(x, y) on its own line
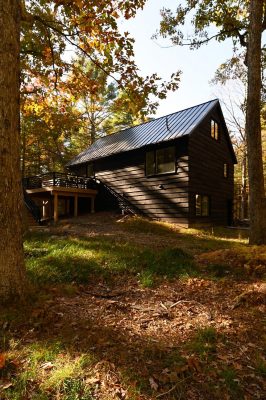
point(53, 58)
point(192, 43)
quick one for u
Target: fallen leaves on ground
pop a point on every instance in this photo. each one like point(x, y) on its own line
point(191, 338)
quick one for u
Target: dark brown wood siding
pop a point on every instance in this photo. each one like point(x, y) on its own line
point(160, 197)
point(207, 158)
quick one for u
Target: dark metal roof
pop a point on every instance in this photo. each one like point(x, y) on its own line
point(159, 130)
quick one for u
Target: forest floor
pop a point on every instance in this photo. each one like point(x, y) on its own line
point(125, 308)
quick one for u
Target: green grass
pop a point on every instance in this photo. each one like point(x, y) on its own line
point(260, 366)
point(143, 225)
point(32, 379)
point(58, 264)
point(229, 377)
point(204, 343)
point(75, 389)
point(55, 260)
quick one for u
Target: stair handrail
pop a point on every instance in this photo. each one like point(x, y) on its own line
point(123, 202)
point(32, 206)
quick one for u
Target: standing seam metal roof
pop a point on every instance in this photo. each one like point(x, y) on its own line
point(159, 130)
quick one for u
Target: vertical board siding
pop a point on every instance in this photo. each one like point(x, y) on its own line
point(207, 158)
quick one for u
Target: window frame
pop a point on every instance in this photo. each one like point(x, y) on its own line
point(226, 170)
point(155, 163)
point(153, 166)
point(216, 135)
point(93, 172)
point(202, 197)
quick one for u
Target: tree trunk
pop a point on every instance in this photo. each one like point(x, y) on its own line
point(253, 127)
point(12, 270)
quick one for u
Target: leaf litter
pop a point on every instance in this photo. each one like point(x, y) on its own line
point(194, 338)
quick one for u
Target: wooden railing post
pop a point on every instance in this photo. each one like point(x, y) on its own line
point(75, 205)
point(92, 205)
point(55, 207)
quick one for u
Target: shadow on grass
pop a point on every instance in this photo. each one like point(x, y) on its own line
point(58, 259)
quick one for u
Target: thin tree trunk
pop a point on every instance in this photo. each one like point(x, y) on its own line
point(253, 127)
point(12, 270)
point(244, 193)
point(23, 150)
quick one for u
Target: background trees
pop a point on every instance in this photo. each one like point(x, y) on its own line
point(56, 124)
point(48, 29)
point(244, 23)
point(77, 69)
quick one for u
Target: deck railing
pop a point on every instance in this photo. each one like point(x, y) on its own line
point(58, 179)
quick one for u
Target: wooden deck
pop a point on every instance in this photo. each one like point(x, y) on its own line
point(48, 190)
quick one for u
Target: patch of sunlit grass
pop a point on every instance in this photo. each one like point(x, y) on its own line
point(69, 260)
point(42, 370)
point(143, 225)
point(64, 369)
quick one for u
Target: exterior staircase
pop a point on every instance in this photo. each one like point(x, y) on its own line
point(123, 203)
point(33, 215)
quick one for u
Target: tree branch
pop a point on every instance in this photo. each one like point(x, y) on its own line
point(98, 65)
point(53, 58)
point(190, 42)
point(264, 18)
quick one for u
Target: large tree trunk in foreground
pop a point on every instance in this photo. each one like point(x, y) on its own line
point(12, 270)
point(253, 127)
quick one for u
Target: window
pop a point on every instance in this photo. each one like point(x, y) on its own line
point(226, 170)
point(165, 160)
point(202, 205)
point(161, 161)
point(150, 163)
point(214, 130)
point(90, 170)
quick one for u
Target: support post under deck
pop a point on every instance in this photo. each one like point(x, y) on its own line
point(55, 207)
point(75, 205)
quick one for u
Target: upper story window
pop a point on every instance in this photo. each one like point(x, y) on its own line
point(215, 131)
point(226, 170)
point(90, 169)
point(202, 205)
point(160, 161)
point(150, 163)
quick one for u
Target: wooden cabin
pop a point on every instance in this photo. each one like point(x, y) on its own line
point(177, 168)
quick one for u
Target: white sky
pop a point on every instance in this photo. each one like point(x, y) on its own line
point(197, 66)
